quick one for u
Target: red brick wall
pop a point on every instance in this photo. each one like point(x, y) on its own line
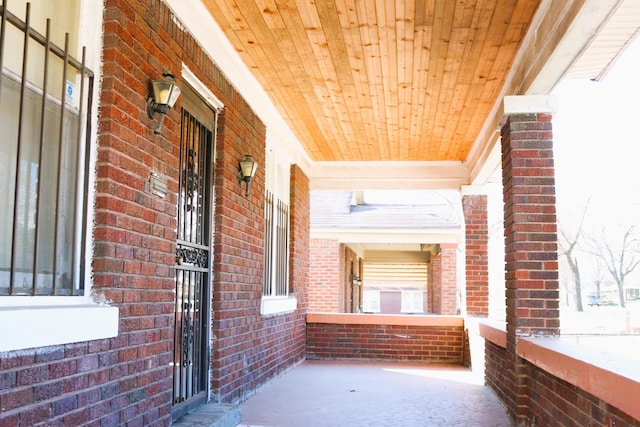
point(476, 254)
point(127, 379)
point(299, 246)
point(547, 400)
point(499, 375)
point(531, 252)
point(434, 344)
point(553, 401)
point(324, 276)
point(448, 277)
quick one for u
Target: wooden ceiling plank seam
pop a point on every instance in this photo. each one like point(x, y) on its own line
point(450, 105)
point(442, 34)
point(316, 57)
point(480, 25)
point(419, 90)
point(276, 61)
point(362, 112)
point(457, 97)
point(382, 34)
point(425, 126)
point(305, 55)
point(326, 89)
point(369, 36)
point(478, 32)
point(306, 109)
point(343, 97)
point(270, 12)
point(388, 41)
point(491, 71)
point(405, 29)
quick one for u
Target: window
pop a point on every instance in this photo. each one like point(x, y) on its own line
point(412, 302)
point(371, 301)
point(42, 168)
point(275, 292)
point(46, 107)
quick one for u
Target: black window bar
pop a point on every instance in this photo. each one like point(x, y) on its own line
point(71, 285)
point(276, 253)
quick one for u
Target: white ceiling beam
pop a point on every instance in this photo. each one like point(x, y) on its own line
point(388, 175)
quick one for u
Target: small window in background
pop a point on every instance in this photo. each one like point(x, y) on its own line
point(371, 301)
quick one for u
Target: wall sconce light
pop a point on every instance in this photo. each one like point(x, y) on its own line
point(165, 94)
point(247, 171)
point(356, 280)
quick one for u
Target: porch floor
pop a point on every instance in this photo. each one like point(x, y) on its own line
point(332, 394)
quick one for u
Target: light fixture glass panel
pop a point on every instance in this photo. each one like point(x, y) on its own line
point(248, 166)
point(165, 92)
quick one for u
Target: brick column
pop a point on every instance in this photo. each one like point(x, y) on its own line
point(445, 283)
point(474, 207)
point(434, 287)
point(325, 291)
point(531, 238)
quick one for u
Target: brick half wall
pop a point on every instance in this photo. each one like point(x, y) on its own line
point(566, 384)
point(428, 339)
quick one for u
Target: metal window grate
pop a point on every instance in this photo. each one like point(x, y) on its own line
point(276, 271)
point(44, 153)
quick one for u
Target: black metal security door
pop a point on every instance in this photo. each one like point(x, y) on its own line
point(193, 255)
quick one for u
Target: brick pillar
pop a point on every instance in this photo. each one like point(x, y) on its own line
point(299, 242)
point(444, 280)
point(325, 291)
point(477, 254)
point(435, 286)
point(531, 243)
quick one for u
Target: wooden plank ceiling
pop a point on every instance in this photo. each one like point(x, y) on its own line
point(389, 80)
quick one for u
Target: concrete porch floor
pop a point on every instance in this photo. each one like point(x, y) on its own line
point(335, 394)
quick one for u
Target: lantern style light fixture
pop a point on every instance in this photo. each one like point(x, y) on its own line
point(247, 171)
point(165, 94)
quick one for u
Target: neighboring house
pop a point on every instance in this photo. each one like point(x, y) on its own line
point(383, 257)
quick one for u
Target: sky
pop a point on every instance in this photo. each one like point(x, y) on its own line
point(596, 137)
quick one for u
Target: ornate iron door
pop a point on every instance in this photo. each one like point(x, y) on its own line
point(193, 254)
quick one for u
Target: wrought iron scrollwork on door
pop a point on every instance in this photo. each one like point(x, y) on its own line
point(194, 256)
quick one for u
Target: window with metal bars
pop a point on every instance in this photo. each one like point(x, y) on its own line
point(45, 106)
point(276, 271)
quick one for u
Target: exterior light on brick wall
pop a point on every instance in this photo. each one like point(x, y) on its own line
point(165, 94)
point(356, 280)
point(247, 171)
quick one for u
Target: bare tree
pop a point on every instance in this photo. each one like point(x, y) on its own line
point(569, 247)
point(619, 259)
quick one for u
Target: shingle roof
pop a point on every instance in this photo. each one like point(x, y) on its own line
point(333, 209)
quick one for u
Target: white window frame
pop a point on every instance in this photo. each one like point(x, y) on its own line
point(412, 302)
point(37, 321)
point(371, 301)
point(277, 181)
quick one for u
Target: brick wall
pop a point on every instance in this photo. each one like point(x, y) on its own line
point(324, 276)
point(499, 375)
point(434, 344)
point(556, 402)
point(127, 379)
point(548, 400)
point(300, 215)
point(476, 254)
point(434, 287)
point(448, 282)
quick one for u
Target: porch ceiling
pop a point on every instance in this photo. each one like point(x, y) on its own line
point(379, 80)
point(387, 82)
